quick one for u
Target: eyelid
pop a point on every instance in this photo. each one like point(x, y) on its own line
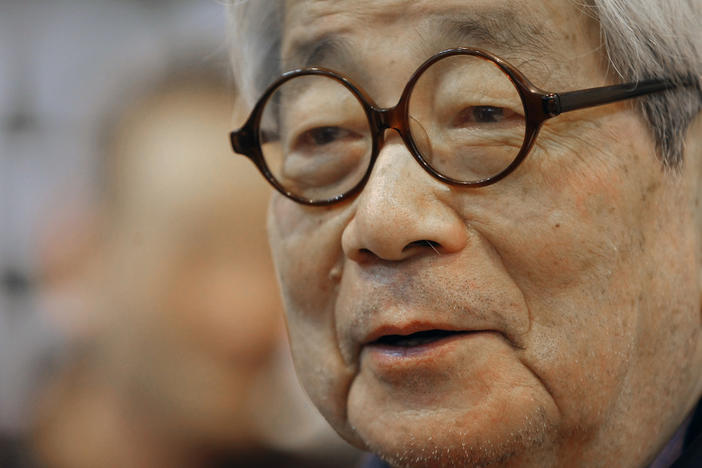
point(305, 167)
point(498, 100)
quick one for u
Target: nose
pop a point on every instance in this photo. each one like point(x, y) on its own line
point(402, 212)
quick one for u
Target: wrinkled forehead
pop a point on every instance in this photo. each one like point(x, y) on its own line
point(353, 36)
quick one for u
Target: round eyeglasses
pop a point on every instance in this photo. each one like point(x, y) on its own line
point(467, 117)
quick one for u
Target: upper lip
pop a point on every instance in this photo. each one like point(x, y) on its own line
point(384, 310)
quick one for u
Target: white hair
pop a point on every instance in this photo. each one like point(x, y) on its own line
point(643, 39)
point(656, 38)
point(255, 37)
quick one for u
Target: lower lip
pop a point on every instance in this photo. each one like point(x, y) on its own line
point(394, 357)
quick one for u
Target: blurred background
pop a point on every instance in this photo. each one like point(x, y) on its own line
point(140, 324)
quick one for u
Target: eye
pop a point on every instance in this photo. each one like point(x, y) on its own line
point(324, 155)
point(483, 115)
point(488, 114)
point(321, 136)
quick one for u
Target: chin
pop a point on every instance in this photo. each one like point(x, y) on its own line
point(467, 402)
point(507, 429)
point(448, 443)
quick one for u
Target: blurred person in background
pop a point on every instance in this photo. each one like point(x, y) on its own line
point(180, 360)
point(154, 373)
point(63, 65)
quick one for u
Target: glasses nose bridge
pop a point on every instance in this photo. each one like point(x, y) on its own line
point(389, 118)
point(394, 118)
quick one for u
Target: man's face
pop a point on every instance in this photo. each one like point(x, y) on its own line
point(566, 295)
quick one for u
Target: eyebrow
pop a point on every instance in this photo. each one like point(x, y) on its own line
point(499, 29)
point(321, 51)
point(329, 51)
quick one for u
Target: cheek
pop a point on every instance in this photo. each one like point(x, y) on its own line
point(306, 246)
point(582, 212)
point(578, 258)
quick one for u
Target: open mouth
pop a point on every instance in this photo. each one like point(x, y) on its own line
point(416, 339)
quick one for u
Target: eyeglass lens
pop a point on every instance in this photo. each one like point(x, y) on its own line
point(316, 139)
point(466, 120)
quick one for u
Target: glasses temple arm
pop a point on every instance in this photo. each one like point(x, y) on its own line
point(572, 100)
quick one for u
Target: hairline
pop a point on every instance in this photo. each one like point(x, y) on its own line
point(483, 27)
point(636, 37)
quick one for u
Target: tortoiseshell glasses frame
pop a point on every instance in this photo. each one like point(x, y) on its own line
point(538, 106)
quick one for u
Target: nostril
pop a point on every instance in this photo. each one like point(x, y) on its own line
point(365, 255)
point(423, 244)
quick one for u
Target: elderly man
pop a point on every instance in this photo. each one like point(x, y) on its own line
point(484, 261)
